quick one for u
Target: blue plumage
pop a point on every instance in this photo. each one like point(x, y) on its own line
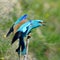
point(24, 30)
point(17, 22)
point(20, 19)
point(30, 25)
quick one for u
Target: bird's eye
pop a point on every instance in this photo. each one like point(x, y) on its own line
point(40, 22)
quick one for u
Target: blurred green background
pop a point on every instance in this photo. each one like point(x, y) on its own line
point(45, 41)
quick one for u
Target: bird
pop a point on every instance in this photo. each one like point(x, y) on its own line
point(24, 30)
point(17, 24)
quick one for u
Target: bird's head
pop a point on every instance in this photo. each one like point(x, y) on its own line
point(40, 22)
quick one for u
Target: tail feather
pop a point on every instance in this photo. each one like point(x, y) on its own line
point(21, 45)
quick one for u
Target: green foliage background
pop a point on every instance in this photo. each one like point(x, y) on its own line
point(45, 46)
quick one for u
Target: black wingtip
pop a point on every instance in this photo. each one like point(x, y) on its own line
point(16, 36)
point(9, 32)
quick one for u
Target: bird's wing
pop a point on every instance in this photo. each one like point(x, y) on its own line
point(20, 19)
point(16, 25)
point(16, 36)
point(11, 30)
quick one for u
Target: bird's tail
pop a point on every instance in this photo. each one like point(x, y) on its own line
point(9, 32)
point(22, 46)
point(21, 42)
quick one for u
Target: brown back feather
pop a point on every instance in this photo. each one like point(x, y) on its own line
point(18, 25)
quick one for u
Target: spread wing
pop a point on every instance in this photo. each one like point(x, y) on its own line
point(17, 24)
point(16, 36)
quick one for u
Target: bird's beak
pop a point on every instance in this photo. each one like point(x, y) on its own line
point(43, 23)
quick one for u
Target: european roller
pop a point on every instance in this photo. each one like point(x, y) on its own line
point(23, 31)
